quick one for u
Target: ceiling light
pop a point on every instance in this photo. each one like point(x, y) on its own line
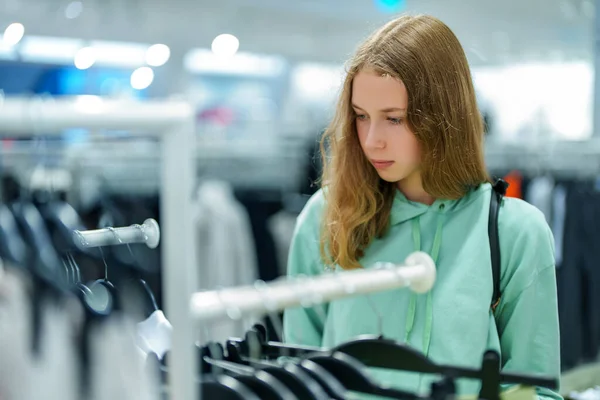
point(74, 9)
point(85, 58)
point(13, 34)
point(225, 45)
point(157, 55)
point(141, 78)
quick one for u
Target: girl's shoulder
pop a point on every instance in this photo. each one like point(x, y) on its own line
point(526, 241)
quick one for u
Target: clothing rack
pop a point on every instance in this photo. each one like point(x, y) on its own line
point(556, 157)
point(244, 164)
point(417, 272)
point(147, 233)
point(173, 122)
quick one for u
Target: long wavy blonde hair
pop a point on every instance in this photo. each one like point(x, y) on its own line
point(442, 112)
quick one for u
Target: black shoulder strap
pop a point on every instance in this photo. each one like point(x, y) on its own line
point(498, 193)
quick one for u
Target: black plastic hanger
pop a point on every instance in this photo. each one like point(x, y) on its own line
point(297, 380)
point(42, 262)
point(266, 386)
point(255, 342)
point(327, 381)
point(12, 247)
point(443, 389)
point(214, 384)
point(62, 219)
point(262, 383)
point(304, 387)
point(490, 383)
point(224, 387)
point(379, 352)
point(350, 373)
point(385, 353)
point(35, 234)
point(309, 381)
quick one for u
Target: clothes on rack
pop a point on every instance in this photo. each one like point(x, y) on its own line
point(117, 371)
point(514, 180)
point(571, 207)
point(281, 226)
point(539, 194)
point(579, 276)
point(559, 199)
point(260, 206)
point(55, 372)
point(224, 249)
point(154, 334)
point(65, 332)
point(254, 367)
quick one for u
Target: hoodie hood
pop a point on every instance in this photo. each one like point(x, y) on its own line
point(404, 209)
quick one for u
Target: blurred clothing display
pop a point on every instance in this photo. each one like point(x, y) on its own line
point(260, 205)
point(579, 276)
point(313, 167)
point(539, 194)
point(154, 334)
point(572, 208)
point(559, 199)
point(281, 226)
point(77, 356)
point(225, 250)
point(514, 180)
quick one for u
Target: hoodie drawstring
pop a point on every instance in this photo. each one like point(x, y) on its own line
point(412, 306)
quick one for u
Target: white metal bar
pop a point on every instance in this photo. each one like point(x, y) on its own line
point(418, 273)
point(174, 123)
point(51, 115)
point(147, 233)
point(179, 258)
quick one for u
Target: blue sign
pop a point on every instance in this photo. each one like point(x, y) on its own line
point(390, 6)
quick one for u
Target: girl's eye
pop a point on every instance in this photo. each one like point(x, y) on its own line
point(361, 117)
point(395, 121)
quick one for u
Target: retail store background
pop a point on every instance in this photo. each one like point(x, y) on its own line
point(262, 76)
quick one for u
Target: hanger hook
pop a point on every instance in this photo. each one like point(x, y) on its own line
point(82, 238)
point(77, 271)
point(67, 265)
point(114, 232)
point(116, 235)
point(142, 229)
point(71, 263)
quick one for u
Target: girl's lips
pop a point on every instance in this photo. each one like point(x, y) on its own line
point(381, 164)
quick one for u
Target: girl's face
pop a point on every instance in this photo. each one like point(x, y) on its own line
point(380, 104)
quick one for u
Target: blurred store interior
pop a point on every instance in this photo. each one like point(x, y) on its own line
point(262, 77)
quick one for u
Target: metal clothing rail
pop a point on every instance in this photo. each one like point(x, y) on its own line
point(557, 157)
point(147, 233)
point(418, 273)
point(174, 123)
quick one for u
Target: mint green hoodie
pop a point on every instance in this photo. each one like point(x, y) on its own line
point(453, 324)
